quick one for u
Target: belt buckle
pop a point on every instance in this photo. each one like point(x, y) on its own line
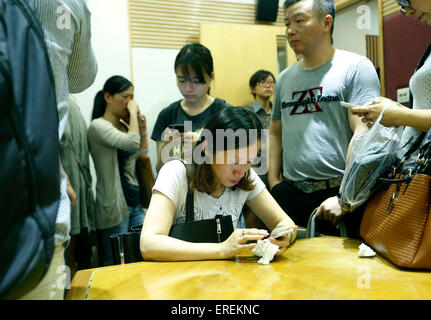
point(307, 186)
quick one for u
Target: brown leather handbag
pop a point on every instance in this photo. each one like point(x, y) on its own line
point(396, 222)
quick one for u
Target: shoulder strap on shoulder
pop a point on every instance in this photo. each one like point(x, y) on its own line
point(190, 196)
point(190, 211)
point(190, 207)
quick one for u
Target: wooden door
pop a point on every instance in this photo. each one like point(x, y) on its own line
point(239, 51)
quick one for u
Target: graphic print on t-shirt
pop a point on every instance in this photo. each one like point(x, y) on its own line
point(307, 101)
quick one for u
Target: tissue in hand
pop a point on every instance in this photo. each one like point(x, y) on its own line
point(266, 250)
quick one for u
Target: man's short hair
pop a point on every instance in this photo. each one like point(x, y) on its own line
point(321, 7)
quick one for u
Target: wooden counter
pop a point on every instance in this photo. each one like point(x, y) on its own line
point(317, 268)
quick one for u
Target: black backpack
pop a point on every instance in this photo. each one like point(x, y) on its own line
point(29, 151)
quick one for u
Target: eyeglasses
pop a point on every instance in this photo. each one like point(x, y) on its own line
point(404, 5)
point(266, 83)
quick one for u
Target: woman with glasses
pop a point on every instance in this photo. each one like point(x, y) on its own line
point(417, 119)
point(195, 72)
point(220, 184)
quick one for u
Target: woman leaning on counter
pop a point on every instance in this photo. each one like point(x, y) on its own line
point(218, 188)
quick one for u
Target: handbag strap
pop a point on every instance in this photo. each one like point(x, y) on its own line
point(413, 147)
point(190, 216)
point(421, 144)
point(189, 199)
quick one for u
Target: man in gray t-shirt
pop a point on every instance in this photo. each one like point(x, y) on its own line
point(310, 132)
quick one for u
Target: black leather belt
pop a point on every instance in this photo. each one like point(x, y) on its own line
point(310, 186)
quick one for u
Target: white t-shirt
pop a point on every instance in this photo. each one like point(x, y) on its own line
point(172, 182)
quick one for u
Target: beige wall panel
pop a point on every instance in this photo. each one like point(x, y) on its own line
point(238, 51)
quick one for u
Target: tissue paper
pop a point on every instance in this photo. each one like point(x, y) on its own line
point(365, 251)
point(266, 250)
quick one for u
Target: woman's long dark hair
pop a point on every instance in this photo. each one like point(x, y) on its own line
point(200, 176)
point(113, 85)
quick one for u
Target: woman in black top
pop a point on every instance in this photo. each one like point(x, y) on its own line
point(195, 72)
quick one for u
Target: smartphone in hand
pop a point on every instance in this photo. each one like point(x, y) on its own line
point(280, 233)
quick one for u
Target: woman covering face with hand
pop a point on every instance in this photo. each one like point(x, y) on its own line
point(117, 136)
point(222, 181)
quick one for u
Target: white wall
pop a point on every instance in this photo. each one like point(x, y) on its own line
point(350, 27)
point(155, 85)
point(110, 39)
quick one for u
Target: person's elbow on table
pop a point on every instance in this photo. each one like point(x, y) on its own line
point(146, 246)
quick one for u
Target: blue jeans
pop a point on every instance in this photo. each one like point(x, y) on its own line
point(136, 217)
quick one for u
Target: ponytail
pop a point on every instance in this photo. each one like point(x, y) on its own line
point(99, 106)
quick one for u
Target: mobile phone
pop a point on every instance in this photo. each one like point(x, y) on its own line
point(177, 126)
point(126, 119)
point(348, 105)
point(278, 234)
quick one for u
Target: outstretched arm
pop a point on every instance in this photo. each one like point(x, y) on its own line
point(395, 114)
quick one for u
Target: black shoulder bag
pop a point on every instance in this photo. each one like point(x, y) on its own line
point(209, 230)
point(125, 246)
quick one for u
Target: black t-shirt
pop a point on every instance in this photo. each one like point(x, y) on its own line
point(174, 113)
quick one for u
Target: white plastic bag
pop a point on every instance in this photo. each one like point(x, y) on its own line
point(373, 153)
